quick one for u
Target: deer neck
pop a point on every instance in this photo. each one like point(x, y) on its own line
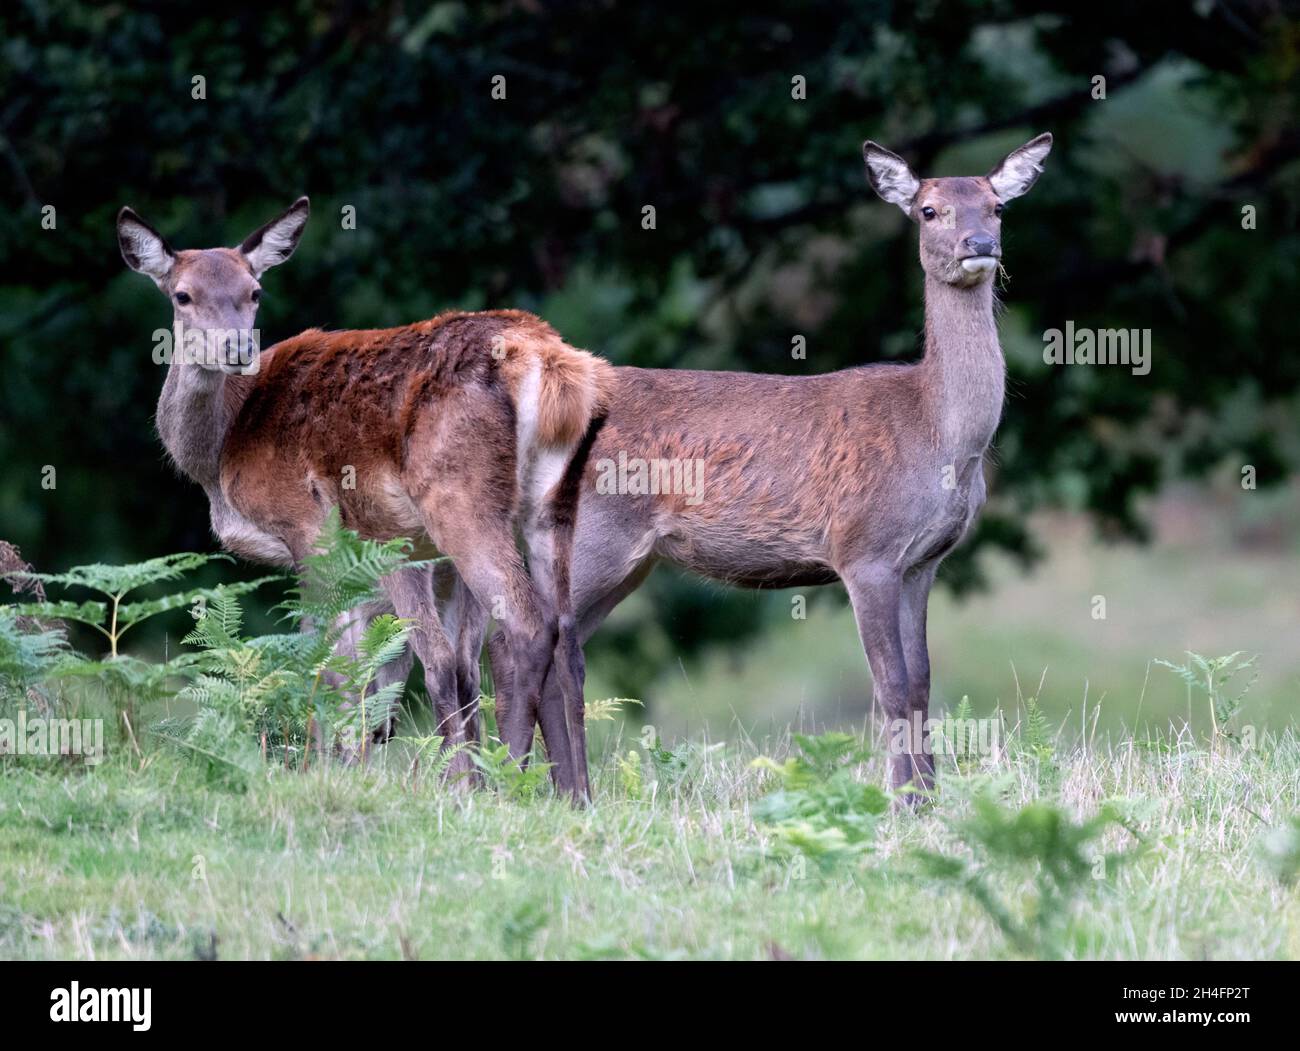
point(195, 412)
point(963, 372)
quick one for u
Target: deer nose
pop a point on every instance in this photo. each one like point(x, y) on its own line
point(980, 244)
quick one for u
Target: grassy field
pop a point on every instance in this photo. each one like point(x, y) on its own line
point(1107, 820)
point(678, 858)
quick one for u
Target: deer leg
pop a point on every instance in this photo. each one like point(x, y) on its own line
point(465, 622)
point(594, 598)
point(299, 547)
point(508, 717)
point(544, 541)
point(503, 678)
point(601, 581)
point(488, 561)
point(875, 590)
point(411, 592)
point(917, 583)
point(514, 723)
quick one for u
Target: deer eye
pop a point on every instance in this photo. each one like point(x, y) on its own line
point(929, 213)
point(256, 295)
point(182, 298)
point(997, 209)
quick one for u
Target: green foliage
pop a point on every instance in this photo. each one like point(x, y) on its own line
point(674, 876)
point(964, 746)
point(1211, 676)
point(522, 783)
point(344, 572)
point(29, 655)
point(521, 929)
point(1281, 851)
point(1039, 841)
point(216, 740)
point(428, 758)
point(487, 710)
point(112, 617)
point(250, 687)
point(678, 766)
point(514, 781)
point(628, 768)
point(1037, 734)
point(1035, 739)
point(127, 681)
point(670, 766)
point(275, 688)
point(822, 809)
point(120, 580)
point(382, 642)
point(605, 708)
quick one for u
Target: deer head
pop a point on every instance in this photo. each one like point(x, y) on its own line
point(214, 292)
point(961, 217)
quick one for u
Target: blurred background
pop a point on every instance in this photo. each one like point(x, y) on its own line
point(1103, 482)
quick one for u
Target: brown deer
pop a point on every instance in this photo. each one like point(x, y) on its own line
point(453, 431)
point(870, 475)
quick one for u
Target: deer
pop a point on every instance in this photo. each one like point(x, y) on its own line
point(869, 476)
point(457, 431)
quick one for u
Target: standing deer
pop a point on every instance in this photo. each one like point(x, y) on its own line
point(870, 475)
point(452, 430)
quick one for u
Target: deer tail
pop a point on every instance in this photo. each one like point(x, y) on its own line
point(561, 395)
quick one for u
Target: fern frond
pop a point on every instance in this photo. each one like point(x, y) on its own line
point(608, 707)
point(119, 580)
point(131, 613)
point(384, 640)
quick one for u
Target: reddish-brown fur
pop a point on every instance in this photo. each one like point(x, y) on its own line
point(574, 384)
point(453, 430)
point(422, 414)
point(423, 419)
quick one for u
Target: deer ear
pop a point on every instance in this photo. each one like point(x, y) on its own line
point(890, 176)
point(143, 247)
point(1020, 168)
point(273, 243)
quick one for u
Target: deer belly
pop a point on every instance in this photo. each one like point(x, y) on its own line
point(745, 557)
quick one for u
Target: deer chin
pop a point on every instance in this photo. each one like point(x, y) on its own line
point(980, 264)
point(971, 271)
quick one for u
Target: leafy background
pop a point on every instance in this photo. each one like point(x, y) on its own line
point(766, 230)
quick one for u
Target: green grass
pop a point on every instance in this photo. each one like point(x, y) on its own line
point(140, 858)
point(692, 849)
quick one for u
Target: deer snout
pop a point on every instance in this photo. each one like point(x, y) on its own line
point(234, 349)
point(980, 244)
point(978, 255)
